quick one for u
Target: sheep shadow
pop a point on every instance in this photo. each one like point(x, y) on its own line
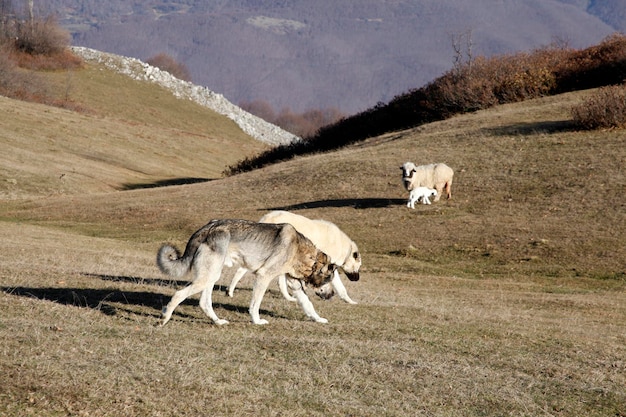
point(515, 129)
point(110, 301)
point(163, 183)
point(357, 203)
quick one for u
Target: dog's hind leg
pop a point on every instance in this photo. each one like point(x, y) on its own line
point(233, 284)
point(212, 265)
point(207, 268)
point(206, 304)
point(178, 298)
point(304, 301)
point(340, 289)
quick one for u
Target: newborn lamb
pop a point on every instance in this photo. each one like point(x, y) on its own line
point(420, 192)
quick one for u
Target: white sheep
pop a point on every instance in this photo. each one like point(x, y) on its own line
point(420, 193)
point(437, 176)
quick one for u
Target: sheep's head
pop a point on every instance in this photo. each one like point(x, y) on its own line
point(408, 170)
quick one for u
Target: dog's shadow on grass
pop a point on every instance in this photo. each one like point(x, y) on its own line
point(111, 301)
point(357, 203)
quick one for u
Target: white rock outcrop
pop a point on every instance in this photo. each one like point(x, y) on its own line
point(138, 70)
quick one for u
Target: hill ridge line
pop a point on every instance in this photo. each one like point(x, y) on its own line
point(252, 125)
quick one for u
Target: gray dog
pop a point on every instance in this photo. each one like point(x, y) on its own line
point(268, 250)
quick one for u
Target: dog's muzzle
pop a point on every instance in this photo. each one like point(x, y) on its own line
point(352, 276)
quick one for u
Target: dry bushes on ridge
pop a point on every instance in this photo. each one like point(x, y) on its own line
point(472, 85)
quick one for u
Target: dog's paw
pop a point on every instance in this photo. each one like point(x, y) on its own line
point(321, 320)
point(164, 318)
point(261, 322)
point(221, 322)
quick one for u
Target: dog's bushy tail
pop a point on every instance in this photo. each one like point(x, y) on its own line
point(171, 263)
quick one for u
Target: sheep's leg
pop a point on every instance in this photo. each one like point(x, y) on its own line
point(448, 189)
point(439, 189)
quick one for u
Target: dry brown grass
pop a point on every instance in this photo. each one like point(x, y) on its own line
point(131, 134)
point(507, 300)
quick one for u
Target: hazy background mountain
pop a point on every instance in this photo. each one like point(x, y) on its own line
point(345, 54)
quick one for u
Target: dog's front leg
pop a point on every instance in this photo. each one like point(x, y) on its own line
point(340, 289)
point(238, 275)
point(282, 284)
point(258, 291)
point(298, 292)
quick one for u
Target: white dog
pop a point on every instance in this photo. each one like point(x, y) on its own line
point(328, 238)
point(420, 193)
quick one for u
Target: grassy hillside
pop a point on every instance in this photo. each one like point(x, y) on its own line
point(130, 134)
point(509, 299)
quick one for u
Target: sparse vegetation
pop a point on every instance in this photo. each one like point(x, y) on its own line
point(40, 37)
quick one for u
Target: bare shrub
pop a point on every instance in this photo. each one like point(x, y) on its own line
point(167, 63)
point(41, 37)
point(606, 108)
